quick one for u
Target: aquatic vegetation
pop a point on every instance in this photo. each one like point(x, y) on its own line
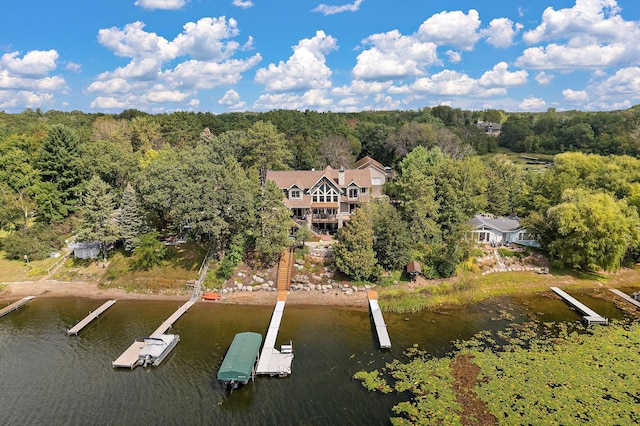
point(532, 373)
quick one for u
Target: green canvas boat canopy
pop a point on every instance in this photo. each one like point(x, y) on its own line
point(241, 357)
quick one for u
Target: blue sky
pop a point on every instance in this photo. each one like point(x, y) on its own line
point(343, 55)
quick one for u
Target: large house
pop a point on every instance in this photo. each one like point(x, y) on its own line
point(500, 230)
point(323, 200)
point(490, 128)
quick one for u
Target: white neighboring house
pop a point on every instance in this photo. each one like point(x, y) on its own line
point(489, 229)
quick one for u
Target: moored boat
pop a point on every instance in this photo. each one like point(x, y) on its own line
point(156, 348)
point(239, 364)
point(211, 296)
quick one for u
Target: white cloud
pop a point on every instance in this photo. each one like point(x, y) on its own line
point(532, 104)
point(245, 4)
point(393, 55)
point(33, 63)
point(555, 56)
point(594, 18)
point(72, 66)
point(451, 29)
point(543, 78)
point(314, 98)
point(231, 100)
point(26, 81)
point(24, 99)
point(360, 88)
point(133, 41)
point(305, 69)
point(575, 96)
point(331, 10)
point(161, 4)
point(206, 48)
point(625, 83)
point(454, 57)
point(208, 39)
point(500, 76)
point(588, 35)
point(453, 83)
point(206, 74)
point(501, 32)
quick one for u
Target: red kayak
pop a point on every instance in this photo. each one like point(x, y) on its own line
point(211, 296)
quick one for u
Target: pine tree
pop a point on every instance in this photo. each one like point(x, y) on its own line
point(98, 215)
point(131, 219)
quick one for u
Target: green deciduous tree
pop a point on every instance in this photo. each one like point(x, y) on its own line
point(354, 250)
point(591, 231)
point(392, 242)
point(274, 224)
point(149, 252)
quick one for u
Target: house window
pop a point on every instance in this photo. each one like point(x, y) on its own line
point(353, 192)
point(324, 193)
point(295, 194)
point(363, 190)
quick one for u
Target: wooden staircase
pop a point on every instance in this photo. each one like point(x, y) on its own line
point(285, 272)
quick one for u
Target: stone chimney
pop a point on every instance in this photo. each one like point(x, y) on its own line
point(341, 176)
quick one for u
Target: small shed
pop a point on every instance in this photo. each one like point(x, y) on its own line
point(88, 250)
point(413, 269)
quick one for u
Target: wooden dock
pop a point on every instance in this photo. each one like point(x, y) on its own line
point(129, 359)
point(92, 315)
point(378, 320)
point(626, 297)
point(272, 361)
point(165, 326)
point(16, 305)
point(590, 316)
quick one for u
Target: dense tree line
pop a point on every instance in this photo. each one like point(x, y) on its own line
point(125, 179)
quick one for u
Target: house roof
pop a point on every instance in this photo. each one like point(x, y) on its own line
point(306, 179)
point(502, 224)
point(367, 161)
point(413, 266)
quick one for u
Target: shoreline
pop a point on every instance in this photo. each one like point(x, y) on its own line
point(87, 290)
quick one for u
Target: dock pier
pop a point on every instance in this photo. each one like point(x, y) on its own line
point(92, 315)
point(378, 320)
point(129, 358)
point(272, 361)
point(590, 316)
point(626, 297)
point(16, 305)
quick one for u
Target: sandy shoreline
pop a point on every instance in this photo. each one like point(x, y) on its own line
point(51, 288)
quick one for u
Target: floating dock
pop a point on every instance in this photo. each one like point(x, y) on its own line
point(16, 305)
point(92, 315)
point(590, 317)
point(378, 320)
point(130, 357)
point(626, 297)
point(165, 326)
point(272, 361)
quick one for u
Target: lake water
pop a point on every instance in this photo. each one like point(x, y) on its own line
point(49, 378)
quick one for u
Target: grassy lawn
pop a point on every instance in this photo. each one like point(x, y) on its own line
point(19, 270)
point(469, 287)
point(181, 265)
